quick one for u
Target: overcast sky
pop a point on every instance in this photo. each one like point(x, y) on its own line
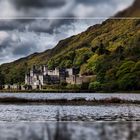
point(28, 26)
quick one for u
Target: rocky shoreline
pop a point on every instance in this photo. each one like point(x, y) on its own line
point(76, 101)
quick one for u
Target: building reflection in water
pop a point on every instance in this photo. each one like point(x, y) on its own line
point(70, 131)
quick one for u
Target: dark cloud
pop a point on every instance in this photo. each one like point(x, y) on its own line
point(48, 25)
point(36, 25)
point(8, 25)
point(39, 25)
point(38, 3)
point(93, 2)
point(24, 48)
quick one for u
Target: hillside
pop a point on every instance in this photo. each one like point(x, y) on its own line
point(132, 11)
point(110, 50)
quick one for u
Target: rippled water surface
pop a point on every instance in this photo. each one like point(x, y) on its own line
point(69, 113)
point(38, 122)
point(87, 96)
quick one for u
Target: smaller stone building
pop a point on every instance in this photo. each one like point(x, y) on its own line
point(78, 80)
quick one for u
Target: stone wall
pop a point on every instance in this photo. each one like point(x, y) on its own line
point(71, 79)
point(14, 87)
point(79, 79)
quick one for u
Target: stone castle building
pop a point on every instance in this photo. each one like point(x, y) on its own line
point(37, 77)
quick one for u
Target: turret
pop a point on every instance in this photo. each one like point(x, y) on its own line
point(45, 70)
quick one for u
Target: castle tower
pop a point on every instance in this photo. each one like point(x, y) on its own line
point(57, 71)
point(45, 70)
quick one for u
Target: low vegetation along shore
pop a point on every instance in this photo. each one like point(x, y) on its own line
point(76, 101)
point(65, 91)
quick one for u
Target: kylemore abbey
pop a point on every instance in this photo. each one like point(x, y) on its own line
point(38, 77)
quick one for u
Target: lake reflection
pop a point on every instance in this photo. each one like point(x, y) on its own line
point(70, 131)
point(57, 122)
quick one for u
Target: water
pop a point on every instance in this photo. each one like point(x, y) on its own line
point(43, 113)
point(99, 122)
point(110, 112)
point(88, 96)
point(70, 131)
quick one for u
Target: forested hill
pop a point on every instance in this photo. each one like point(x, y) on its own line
point(132, 11)
point(110, 50)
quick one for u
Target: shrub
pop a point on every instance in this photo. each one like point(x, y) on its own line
point(110, 86)
point(96, 86)
point(73, 87)
point(84, 86)
point(63, 84)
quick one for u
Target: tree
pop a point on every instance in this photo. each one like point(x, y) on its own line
point(118, 54)
point(128, 76)
point(128, 81)
point(1, 80)
point(93, 49)
point(102, 66)
point(136, 67)
point(82, 55)
point(125, 68)
point(101, 49)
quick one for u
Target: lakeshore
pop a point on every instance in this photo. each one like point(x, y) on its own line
point(73, 102)
point(64, 91)
point(85, 98)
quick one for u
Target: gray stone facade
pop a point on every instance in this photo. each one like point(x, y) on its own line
point(37, 77)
